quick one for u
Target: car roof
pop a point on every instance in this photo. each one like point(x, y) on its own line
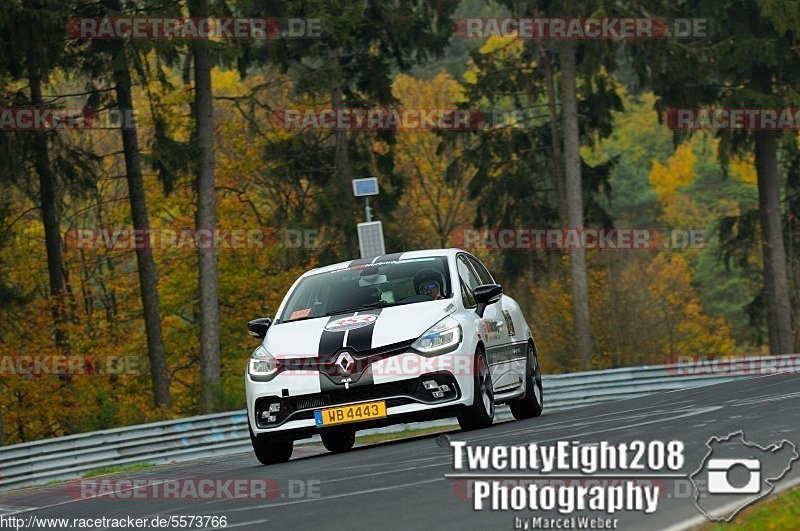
point(423, 253)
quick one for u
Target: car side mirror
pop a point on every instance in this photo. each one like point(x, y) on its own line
point(485, 295)
point(258, 327)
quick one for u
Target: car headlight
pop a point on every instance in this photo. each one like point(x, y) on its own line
point(263, 365)
point(445, 334)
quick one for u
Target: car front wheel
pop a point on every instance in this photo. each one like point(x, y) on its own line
point(532, 403)
point(271, 451)
point(480, 414)
point(338, 440)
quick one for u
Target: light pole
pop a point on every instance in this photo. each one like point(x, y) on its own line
point(368, 210)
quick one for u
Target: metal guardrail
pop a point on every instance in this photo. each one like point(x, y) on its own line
point(63, 458)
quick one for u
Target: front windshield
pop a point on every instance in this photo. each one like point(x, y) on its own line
point(369, 286)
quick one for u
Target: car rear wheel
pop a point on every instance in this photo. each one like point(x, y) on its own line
point(532, 403)
point(270, 451)
point(338, 440)
point(481, 413)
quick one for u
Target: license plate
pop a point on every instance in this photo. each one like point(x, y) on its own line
point(354, 413)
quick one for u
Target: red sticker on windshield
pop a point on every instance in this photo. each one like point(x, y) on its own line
point(300, 313)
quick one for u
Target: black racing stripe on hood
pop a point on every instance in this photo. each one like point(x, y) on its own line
point(357, 339)
point(360, 339)
point(330, 341)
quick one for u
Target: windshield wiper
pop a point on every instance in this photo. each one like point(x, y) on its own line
point(301, 319)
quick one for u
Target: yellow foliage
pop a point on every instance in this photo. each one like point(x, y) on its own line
point(104, 302)
point(744, 169)
point(471, 75)
point(432, 205)
point(644, 311)
point(677, 173)
point(668, 180)
point(502, 46)
point(632, 128)
point(441, 92)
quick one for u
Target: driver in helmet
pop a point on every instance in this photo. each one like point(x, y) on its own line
point(428, 282)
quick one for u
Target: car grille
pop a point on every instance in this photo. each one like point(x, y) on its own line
point(308, 402)
point(355, 394)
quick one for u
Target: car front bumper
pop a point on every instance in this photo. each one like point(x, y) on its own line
point(397, 380)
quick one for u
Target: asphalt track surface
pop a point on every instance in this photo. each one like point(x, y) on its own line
point(402, 484)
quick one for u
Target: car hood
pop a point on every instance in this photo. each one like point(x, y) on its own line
point(368, 329)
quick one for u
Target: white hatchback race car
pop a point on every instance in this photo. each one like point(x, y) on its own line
point(405, 337)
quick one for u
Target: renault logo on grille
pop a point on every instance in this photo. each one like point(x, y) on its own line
point(344, 363)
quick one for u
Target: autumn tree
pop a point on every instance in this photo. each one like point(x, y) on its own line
point(520, 165)
point(113, 60)
point(573, 194)
point(650, 310)
point(435, 201)
point(750, 61)
point(203, 111)
point(351, 64)
point(33, 34)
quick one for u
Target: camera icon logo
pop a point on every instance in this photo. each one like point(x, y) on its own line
point(736, 473)
point(720, 483)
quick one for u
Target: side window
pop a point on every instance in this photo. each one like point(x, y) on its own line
point(483, 273)
point(469, 281)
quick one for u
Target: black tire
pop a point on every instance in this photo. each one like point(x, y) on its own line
point(338, 440)
point(530, 405)
point(480, 414)
point(271, 451)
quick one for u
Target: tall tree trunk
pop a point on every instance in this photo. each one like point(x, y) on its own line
point(555, 136)
point(776, 282)
point(147, 268)
point(49, 209)
point(574, 200)
point(206, 219)
point(340, 185)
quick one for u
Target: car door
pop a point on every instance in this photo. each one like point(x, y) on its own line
point(491, 325)
point(508, 359)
